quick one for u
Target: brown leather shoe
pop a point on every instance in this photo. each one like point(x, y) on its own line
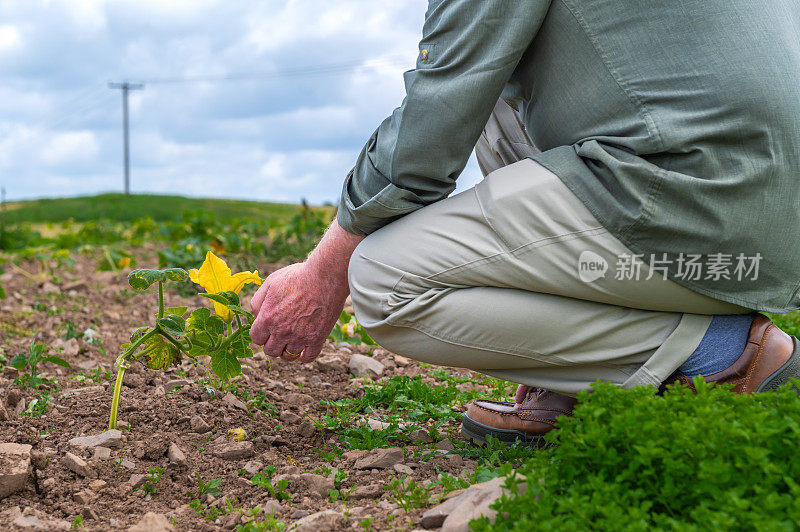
point(509, 422)
point(770, 358)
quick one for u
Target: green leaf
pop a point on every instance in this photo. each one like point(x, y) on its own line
point(236, 309)
point(178, 311)
point(201, 320)
point(160, 353)
point(240, 347)
point(2, 292)
point(141, 279)
point(56, 360)
point(176, 274)
point(173, 324)
point(226, 298)
point(19, 361)
point(225, 364)
point(344, 317)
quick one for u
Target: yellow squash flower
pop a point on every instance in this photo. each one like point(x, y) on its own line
point(215, 276)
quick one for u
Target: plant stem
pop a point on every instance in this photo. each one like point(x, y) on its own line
point(112, 422)
point(160, 299)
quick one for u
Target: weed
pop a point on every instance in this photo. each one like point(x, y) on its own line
point(30, 361)
point(153, 476)
point(264, 480)
point(211, 487)
point(408, 494)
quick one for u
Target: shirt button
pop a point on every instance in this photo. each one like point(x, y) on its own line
point(424, 55)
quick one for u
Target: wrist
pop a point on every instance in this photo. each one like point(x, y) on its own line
point(331, 258)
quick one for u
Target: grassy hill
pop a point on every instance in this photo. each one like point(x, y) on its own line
point(123, 208)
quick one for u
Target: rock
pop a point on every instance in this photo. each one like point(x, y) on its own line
point(403, 469)
point(199, 424)
point(39, 459)
point(370, 491)
point(176, 456)
point(297, 399)
point(97, 485)
point(31, 519)
point(20, 408)
point(325, 520)
point(84, 497)
point(420, 435)
point(14, 396)
point(355, 454)
point(49, 288)
point(69, 348)
point(317, 484)
point(127, 464)
point(380, 458)
point(77, 465)
point(306, 429)
point(364, 366)
point(15, 467)
point(401, 361)
point(253, 467)
point(111, 438)
point(299, 514)
point(289, 418)
point(376, 424)
point(471, 504)
point(4, 416)
point(175, 383)
point(76, 285)
point(239, 450)
point(152, 522)
point(234, 401)
point(434, 518)
point(102, 453)
point(136, 480)
point(331, 364)
point(271, 507)
point(445, 445)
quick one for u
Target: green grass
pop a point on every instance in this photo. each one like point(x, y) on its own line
point(125, 208)
point(789, 323)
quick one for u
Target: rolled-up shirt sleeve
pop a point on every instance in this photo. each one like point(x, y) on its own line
point(468, 51)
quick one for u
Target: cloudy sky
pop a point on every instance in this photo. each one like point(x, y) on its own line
point(265, 99)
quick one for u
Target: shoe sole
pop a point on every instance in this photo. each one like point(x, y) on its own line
point(477, 432)
point(789, 370)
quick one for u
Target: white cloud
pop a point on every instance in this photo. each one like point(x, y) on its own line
point(71, 148)
point(10, 38)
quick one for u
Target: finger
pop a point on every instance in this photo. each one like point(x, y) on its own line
point(275, 346)
point(522, 391)
point(311, 353)
point(293, 349)
point(258, 297)
point(259, 331)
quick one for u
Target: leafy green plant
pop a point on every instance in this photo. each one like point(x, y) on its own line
point(202, 334)
point(29, 362)
point(38, 406)
point(153, 476)
point(348, 330)
point(277, 490)
point(632, 460)
point(210, 487)
point(408, 494)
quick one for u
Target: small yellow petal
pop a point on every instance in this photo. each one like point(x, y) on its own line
point(240, 279)
point(194, 275)
point(214, 274)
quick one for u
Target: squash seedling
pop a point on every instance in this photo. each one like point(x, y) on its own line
point(202, 334)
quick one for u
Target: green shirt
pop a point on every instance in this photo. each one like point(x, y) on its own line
point(677, 123)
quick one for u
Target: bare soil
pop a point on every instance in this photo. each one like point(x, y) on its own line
point(152, 419)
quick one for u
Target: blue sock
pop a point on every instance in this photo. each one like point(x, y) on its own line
point(722, 345)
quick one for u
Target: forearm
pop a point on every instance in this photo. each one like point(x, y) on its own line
point(332, 255)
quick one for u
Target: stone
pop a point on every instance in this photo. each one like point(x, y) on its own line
point(331, 363)
point(136, 480)
point(198, 424)
point(445, 445)
point(68, 348)
point(84, 497)
point(317, 484)
point(299, 514)
point(370, 491)
point(234, 401)
point(39, 459)
point(364, 366)
point(434, 517)
point(101, 453)
point(97, 485)
point(176, 456)
point(174, 384)
point(403, 469)
point(239, 450)
point(253, 467)
point(20, 408)
point(15, 467)
point(306, 429)
point(401, 361)
point(380, 458)
point(420, 435)
point(30, 519)
point(152, 522)
point(77, 465)
point(76, 285)
point(289, 418)
point(49, 288)
point(127, 464)
point(471, 504)
point(297, 399)
point(271, 507)
point(325, 520)
point(111, 438)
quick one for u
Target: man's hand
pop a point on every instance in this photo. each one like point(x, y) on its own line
point(297, 306)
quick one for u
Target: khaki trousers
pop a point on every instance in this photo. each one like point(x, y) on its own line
point(515, 278)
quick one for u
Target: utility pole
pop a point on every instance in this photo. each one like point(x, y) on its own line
point(126, 87)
